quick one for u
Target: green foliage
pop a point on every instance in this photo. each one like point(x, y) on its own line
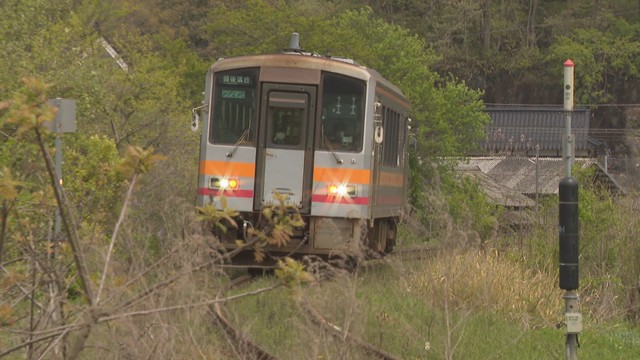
point(8, 186)
point(417, 180)
point(440, 106)
point(520, 62)
point(29, 110)
point(91, 177)
point(609, 252)
point(139, 107)
point(602, 58)
point(292, 273)
point(276, 224)
point(138, 161)
point(253, 28)
point(279, 221)
point(216, 219)
point(468, 205)
point(26, 197)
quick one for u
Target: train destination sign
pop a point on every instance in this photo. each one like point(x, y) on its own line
point(236, 80)
point(233, 94)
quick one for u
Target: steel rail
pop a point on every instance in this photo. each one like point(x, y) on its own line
point(244, 347)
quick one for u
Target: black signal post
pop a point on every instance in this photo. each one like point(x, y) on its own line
point(569, 257)
point(569, 226)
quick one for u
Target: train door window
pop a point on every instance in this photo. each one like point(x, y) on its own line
point(285, 127)
point(286, 119)
point(233, 116)
point(342, 113)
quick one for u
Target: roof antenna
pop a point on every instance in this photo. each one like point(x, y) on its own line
point(294, 45)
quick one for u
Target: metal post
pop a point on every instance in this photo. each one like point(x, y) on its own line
point(537, 172)
point(58, 221)
point(573, 321)
point(568, 143)
point(64, 122)
point(569, 227)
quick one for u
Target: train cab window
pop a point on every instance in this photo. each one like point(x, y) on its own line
point(342, 113)
point(234, 102)
point(285, 127)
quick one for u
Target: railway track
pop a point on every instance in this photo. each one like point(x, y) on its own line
point(419, 252)
point(340, 334)
point(243, 347)
point(246, 348)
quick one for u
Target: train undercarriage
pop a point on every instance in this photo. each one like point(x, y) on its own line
point(324, 237)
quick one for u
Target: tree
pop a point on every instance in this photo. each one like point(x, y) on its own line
point(440, 105)
point(51, 294)
point(606, 70)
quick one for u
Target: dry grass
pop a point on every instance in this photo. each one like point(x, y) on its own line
point(480, 281)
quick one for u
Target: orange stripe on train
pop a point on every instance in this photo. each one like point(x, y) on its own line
point(227, 168)
point(332, 175)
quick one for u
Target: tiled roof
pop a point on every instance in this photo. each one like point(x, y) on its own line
point(518, 129)
point(519, 173)
point(499, 193)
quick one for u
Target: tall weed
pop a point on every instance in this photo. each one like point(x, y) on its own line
point(482, 281)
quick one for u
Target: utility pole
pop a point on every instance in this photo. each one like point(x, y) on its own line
point(569, 227)
point(64, 122)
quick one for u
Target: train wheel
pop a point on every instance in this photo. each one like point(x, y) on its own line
point(392, 232)
point(378, 237)
point(364, 241)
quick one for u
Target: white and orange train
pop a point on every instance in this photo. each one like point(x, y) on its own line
point(326, 133)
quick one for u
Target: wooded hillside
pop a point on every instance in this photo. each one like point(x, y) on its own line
point(136, 68)
point(513, 51)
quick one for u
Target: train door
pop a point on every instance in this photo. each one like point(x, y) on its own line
point(285, 150)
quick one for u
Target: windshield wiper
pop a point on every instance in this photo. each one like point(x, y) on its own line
point(245, 134)
point(326, 141)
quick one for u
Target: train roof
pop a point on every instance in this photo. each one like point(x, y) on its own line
point(342, 66)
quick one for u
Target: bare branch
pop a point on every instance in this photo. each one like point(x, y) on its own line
point(195, 343)
point(4, 218)
point(51, 345)
point(123, 212)
point(187, 306)
point(147, 270)
point(167, 282)
point(61, 331)
point(237, 250)
point(69, 223)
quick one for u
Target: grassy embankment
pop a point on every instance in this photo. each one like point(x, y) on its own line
point(498, 302)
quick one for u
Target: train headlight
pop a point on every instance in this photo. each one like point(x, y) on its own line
point(224, 184)
point(342, 190)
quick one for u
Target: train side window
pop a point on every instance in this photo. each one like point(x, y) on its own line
point(392, 143)
point(342, 113)
point(234, 106)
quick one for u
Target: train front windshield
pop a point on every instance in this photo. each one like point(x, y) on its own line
point(235, 114)
point(234, 106)
point(342, 113)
